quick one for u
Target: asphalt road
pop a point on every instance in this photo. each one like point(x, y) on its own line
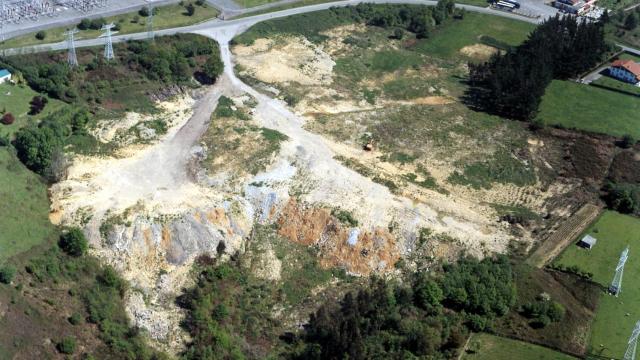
point(239, 25)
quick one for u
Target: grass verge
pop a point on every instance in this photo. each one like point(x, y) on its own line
point(490, 347)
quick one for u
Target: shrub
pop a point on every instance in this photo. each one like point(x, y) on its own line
point(190, 9)
point(75, 319)
point(67, 345)
point(40, 35)
point(37, 104)
point(7, 273)
point(8, 119)
point(73, 242)
point(627, 141)
point(144, 11)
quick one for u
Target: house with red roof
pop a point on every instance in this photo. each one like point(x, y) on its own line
point(626, 70)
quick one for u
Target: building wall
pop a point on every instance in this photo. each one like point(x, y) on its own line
point(622, 74)
point(5, 79)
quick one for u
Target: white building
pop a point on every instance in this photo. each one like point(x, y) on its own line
point(5, 76)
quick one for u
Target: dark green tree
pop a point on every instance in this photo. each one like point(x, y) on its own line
point(73, 242)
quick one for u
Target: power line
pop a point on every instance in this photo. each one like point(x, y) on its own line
point(632, 344)
point(151, 35)
point(108, 48)
point(72, 59)
point(616, 284)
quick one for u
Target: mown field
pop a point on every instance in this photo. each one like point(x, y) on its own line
point(612, 325)
point(166, 17)
point(572, 105)
point(24, 208)
point(490, 347)
point(15, 99)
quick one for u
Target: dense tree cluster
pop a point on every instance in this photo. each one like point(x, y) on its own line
point(624, 198)
point(36, 145)
point(416, 19)
point(37, 104)
point(407, 321)
point(513, 83)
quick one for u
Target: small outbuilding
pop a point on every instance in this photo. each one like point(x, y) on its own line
point(5, 76)
point(587, 242)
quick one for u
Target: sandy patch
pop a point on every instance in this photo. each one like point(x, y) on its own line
point(289, 59)
point(478, 51)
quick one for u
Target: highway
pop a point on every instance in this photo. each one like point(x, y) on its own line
point(238, 25)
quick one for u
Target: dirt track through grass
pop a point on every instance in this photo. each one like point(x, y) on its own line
point(564, 235)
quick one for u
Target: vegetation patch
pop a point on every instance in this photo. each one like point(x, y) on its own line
point(504, 168)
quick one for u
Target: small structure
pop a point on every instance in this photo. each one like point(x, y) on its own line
point(626, 70)
point(5, 76)
point(587, 242)
point(578, 7)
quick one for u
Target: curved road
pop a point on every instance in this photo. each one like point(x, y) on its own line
point(239, 25)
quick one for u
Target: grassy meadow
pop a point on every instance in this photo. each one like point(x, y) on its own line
point(612, 326)
point(24, 210)
point(572, 105)
point(490, 347)
point(15, 99)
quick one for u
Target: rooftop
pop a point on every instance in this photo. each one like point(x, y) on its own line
point(629, 65)
point(4, 72)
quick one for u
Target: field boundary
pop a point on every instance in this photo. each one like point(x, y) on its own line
point(555, 243)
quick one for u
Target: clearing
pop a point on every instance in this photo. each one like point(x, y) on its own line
point(490, 347)
point(615, 316)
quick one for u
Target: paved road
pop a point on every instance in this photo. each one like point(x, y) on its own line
point(629, 49)
point(239, 25)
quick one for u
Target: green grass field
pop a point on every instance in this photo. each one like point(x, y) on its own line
point(447, 41)
point(15, 99)
point(489, 347)
point(617, 85)
point(24, 210)
point(589, 108)
point(166, 17)
point(612, 326)
point(628, 56)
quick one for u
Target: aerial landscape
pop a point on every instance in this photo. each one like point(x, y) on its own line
point(317, 179)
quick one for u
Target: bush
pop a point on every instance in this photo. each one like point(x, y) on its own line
point(67, 345)
point(190, 9)
point(73, 242)
point(7, 272)
point(144, 11)
point(8, 119)
point(37, 104)
point(75, 319)
point(40, 35)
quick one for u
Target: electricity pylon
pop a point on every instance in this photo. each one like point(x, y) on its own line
point(151, 35)
point(108, 47)
point(616, 284)
point(630, 354)
point(72, 60)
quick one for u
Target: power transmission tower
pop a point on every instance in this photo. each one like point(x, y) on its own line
point(630, 354)
point(2, 20)
point(616, 284)
point(150, 25)
point(108, 48)
point(71, 46)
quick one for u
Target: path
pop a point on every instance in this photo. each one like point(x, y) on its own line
point(564, 235)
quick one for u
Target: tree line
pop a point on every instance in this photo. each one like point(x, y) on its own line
point(512, 84)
